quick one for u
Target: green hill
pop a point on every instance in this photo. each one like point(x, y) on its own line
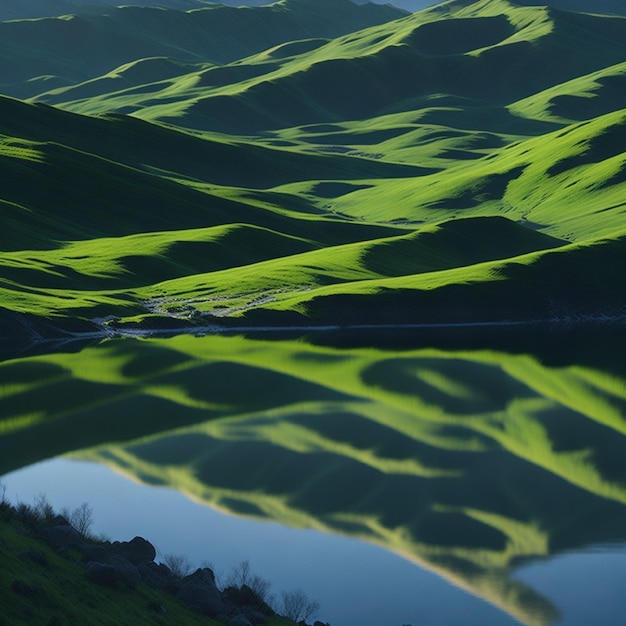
point(73, 48)
point(412, 64)
point(405, 165)
point(260, 174)
point(28, 9)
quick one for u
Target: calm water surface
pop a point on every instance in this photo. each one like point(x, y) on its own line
point(466, 481)
point(355, 582)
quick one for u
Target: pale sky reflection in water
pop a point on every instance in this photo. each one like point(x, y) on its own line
point(357, 584)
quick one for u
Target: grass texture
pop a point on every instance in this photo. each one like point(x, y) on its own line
point(269, 179)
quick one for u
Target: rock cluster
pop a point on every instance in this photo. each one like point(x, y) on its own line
point(123, 565)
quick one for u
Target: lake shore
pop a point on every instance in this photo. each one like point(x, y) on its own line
point(47, 556)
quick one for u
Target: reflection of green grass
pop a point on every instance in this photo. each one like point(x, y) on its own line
point(451, 458)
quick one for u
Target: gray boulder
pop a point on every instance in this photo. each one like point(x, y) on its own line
point(240, 620)
point(95, 552)
point(256, 617)
point(60, 537)
point(159, 576)
point(126, 572)
point(101, 574)
point(137, 550)
point(199, 593)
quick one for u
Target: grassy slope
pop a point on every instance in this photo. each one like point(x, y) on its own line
point(28, 9)
point(58, 592)
point(62, 593)
point(579, 168)
point(72, 48)
point(387, 68)
point(568, 184)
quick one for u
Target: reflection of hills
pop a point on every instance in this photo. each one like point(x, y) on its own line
point(466, 460)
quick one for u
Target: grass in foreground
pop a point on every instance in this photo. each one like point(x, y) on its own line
point(43, 587)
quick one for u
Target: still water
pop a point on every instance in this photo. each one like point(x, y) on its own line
point(457, 481)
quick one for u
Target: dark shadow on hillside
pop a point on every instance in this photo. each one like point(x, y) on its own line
point(491, 187)
point(459, 35)
point(610, 96)
point(599, 147)
point(336, 190)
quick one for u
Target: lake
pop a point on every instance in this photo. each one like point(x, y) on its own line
point(448, 477)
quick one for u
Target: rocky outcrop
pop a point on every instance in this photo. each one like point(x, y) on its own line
point(127, 573)
point(126, 564)
point(62, 537)
point(137, 551)
point(159, 576)
point(200, 593)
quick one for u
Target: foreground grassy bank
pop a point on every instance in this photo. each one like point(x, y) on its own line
point(46, 580)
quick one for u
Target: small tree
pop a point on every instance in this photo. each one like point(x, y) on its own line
point(297, 606)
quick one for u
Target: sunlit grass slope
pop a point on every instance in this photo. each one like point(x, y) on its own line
point(336, 439)
point(404, 65)
point(211, 246)
point(73, 48)
point(569, 182)
point(412, 171)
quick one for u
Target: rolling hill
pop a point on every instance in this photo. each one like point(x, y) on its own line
point(259, 174)
point(407, 165)
point(68, 49)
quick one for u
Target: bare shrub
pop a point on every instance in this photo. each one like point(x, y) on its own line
point(43, 508)
point(6, 510)
point(242, 574)
point(178, 564)
point(26, 514)
point(81, 519)
point(297, 607)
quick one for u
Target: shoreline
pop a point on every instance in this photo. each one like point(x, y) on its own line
point(58, 336)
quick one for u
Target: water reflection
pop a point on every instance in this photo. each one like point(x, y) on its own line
point(468, 457)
